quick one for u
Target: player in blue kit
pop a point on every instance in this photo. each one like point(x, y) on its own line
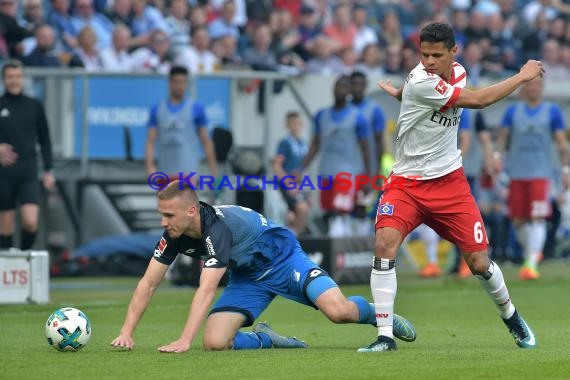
point(178, 127)
point(288, 164)
point(264, 260)
point(374, 117)
point(531, 129)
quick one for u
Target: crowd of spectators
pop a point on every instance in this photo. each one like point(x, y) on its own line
point(292, 36)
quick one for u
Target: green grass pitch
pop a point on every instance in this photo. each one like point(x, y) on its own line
point(460, 335)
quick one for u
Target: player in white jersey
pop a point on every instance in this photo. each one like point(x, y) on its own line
point(426, 141)
point(428, 184)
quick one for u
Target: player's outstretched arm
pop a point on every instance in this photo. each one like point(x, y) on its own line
point(390, 89)
point(483, 97)
point(139, 302)
point(203, 298)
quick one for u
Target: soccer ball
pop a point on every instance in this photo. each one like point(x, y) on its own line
point(68, 329)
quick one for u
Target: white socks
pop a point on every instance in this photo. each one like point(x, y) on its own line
point(536, 231)
point(431, 240)
point(531, 236)
point(497, 290)
point(384, 285)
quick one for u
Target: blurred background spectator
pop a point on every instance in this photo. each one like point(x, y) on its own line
point(146, 19)
point(60, 19)
point(86, 53)
point(12, 32)
point(178, 25)
point(155, 56)
point(197, 57)
point(365, 35)
point(324, 61)
point(86, 15)
point(120, 12)
point(371, 61)
point(116, 57)
point(315, 36)
point(342, 31)
point(43, 53)
point(224, 24)
point(260, 56)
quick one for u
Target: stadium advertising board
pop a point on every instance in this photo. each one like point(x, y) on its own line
point(352, 258)
point(24, 276)
point(116, 103)
point(347, 260)
point(319, 250)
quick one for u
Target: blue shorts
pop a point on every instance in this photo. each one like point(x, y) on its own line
point(296, 278)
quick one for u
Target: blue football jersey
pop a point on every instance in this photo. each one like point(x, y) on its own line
point(232, 236)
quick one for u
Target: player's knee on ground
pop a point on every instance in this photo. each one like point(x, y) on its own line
point(216, 343)
point(478, 262)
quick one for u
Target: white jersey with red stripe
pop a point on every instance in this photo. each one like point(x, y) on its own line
point(426, 143)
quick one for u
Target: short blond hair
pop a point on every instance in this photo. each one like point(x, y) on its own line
point(178, 189)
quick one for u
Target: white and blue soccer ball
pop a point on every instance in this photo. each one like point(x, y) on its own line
point(68, 329)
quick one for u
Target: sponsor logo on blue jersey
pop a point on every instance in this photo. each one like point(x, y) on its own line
point(211, 262)
point(210, 247)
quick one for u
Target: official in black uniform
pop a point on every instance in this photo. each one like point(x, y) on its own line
point(23, 124)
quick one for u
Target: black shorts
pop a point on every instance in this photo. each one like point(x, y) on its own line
point(18, 185)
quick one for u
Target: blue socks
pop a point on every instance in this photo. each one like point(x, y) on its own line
point(254, 341)
point(251, 341)
point(366, 312)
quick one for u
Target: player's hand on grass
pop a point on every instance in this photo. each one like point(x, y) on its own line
point(123, 342)
point(178, 346)
point(532, 69)
point(389, 88)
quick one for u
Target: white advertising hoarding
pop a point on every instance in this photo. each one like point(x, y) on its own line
point(24, 277)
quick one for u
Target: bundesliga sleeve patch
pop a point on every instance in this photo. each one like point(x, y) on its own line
point(160, 248)
point(441, 87)
point(386, 209)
